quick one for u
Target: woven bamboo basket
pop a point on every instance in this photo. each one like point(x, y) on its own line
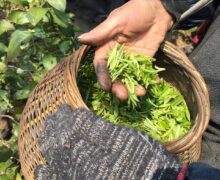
point(59, 86)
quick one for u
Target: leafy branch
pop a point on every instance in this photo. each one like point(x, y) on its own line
point(34, 36)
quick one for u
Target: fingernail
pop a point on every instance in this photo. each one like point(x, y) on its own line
point(103, 76)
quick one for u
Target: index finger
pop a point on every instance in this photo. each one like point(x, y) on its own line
point(101, 69)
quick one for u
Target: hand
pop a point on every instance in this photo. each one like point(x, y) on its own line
point(140, 25)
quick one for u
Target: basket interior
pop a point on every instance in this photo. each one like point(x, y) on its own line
point(179, 77)
point(174, 74)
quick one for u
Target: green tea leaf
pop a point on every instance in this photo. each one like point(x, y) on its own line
point(4, 101)
point(162, 113)
point(23, 93)
point(5, 153)
point(36, 14)
point(28, 34)
point(59, 18)
point(77, 29)
point(1, 4)
point(5, 26)
point(49, 61)
point(17, 38)
point(40, 33)
point(3, 67)
point(16, 130)
point(5, 165)
point(18, 177)
point(20, 2)
point(8, 170)
point(65, 46)
point(19, 17)
point(38, 75)
point(58, 4)
point(3, 48)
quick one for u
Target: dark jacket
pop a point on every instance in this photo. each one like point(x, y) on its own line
point(96, 11)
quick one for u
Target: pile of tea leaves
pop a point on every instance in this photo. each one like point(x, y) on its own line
point(162, 113)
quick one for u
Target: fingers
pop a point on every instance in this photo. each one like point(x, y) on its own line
point(103, 32)
point(140, 90)
point(103, 74)
point(119, 90)
point(101, 69)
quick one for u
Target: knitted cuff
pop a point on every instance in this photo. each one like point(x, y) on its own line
point(156, 161)
point(78, 143)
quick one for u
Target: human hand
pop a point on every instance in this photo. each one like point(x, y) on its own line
point(140, 25)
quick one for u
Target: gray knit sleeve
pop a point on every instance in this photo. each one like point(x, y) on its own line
point(79, 145)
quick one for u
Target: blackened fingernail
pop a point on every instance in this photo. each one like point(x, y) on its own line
point(103, 76)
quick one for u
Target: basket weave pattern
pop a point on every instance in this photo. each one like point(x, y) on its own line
point(59, 86)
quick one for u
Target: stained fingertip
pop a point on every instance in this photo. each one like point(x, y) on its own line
point(105, 82)
point(103, 76)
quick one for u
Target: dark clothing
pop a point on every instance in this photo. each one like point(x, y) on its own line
point(206, 58)
point(178, 7)
point(200, 171)
point(95, 10)
point(79, 145)
point(92, 12)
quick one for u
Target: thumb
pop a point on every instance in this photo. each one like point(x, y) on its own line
point(103, 32)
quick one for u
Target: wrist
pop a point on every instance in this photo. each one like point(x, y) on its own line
point(164, 14)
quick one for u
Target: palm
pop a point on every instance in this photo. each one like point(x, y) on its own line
point(140, 25)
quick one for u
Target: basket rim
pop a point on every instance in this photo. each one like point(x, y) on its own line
point(70, 87)
point(193, 134)
point(178, 57)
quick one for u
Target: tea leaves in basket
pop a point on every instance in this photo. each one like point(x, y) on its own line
point(162, 113)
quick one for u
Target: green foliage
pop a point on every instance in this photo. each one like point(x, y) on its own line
point(18, 17)
point(162, 113)
point(4, 101)
point(49, 61)
point(5, 26)
point(36, 14)
point(9, 164)
point(58, 4)
point(3, 49)
point(34, 36)
point(17, 38)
